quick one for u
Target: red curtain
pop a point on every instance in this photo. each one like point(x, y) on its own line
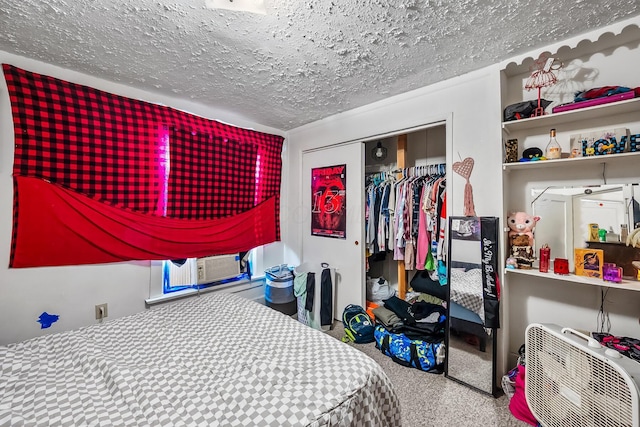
point(61, 227)
point(111, 178)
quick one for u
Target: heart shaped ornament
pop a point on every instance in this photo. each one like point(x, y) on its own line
point(464, 167)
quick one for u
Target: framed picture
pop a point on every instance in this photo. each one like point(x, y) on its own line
point(588, 262)
point(329, 201)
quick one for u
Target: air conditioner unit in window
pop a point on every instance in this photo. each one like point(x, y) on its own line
point(216, 268)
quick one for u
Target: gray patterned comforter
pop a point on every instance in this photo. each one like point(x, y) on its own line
point(216, 360)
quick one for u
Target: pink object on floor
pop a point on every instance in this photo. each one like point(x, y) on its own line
point(518, 403)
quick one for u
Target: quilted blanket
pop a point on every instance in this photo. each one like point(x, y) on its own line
point(467, 290)
point(216, 360)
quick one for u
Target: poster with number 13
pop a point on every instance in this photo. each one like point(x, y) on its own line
point(329, 201)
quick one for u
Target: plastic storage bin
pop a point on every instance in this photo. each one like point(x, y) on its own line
point(278, 290)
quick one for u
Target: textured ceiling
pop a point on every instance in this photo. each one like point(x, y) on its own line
point(302, 61)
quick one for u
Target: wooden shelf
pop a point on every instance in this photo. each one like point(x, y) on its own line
point(629, 285)
point(589, 113)
point(574, 161)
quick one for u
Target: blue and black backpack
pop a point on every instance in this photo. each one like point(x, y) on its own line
point(358, 326)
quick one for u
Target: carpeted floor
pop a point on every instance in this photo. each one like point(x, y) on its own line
point(432, 400)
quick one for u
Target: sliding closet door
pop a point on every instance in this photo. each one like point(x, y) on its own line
point(333, 216)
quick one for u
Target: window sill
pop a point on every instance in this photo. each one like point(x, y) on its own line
point(234, 287)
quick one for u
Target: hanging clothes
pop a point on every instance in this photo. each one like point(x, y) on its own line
point(326, 297)
point(403, 216)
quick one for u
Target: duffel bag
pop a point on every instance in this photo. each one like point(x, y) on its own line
point(428, 357)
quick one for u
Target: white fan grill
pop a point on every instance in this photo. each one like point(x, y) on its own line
point(570, 384)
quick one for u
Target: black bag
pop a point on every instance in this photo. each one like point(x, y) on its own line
point(523, 110)
point(428, 332)
point(401, 309)
point(422, 282)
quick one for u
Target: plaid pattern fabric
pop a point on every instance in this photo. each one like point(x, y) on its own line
point(113, 149)
point(198, 158)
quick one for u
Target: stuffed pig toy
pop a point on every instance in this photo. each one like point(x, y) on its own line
point(522, 223)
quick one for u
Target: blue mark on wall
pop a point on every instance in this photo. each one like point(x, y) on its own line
point(46, 319)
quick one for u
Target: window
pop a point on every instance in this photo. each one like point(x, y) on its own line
point(160, 270)
point(200, 273)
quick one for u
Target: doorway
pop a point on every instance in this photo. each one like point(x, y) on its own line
point(419, 147)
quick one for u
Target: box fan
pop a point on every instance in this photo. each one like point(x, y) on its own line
point(571, 380)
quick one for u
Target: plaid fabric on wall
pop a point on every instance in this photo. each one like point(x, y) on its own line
point(145, 158)
point(199, 158)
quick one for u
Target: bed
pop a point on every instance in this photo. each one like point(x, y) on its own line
point(217, 360)
point(467, 302)
point(468, 290)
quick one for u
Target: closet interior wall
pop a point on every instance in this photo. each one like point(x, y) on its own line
point(405, 151)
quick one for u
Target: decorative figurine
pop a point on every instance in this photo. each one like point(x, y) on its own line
point(521, 238)
point(543, 75)
point(522, 251)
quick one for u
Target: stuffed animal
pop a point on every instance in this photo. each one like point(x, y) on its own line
point(522, 223)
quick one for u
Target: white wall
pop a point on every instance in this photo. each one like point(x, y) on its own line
point(470, 102)
point(471, 106)
point(72, 292)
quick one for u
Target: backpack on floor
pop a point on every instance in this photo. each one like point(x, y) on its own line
point(358, 326)
point(428, 357)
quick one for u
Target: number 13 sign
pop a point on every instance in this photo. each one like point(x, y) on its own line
point(329, 201)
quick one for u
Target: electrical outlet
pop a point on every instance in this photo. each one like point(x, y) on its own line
point(101, 311)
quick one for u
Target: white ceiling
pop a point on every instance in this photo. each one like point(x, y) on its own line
point(302, 61)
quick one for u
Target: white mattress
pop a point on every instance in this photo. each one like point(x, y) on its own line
point(217, 360)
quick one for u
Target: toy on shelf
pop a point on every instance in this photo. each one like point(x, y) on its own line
point(521, 238)
point(531, 155)
point(543, 76)
point(633, 238)
point(611, 272)
point(589, 262)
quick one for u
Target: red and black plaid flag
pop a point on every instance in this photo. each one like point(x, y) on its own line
point(158, 166)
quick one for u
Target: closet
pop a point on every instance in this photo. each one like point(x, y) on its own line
point(415, 159)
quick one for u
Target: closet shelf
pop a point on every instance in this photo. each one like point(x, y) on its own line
point(628, 285)
point(575, 161)
point(589, 113)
